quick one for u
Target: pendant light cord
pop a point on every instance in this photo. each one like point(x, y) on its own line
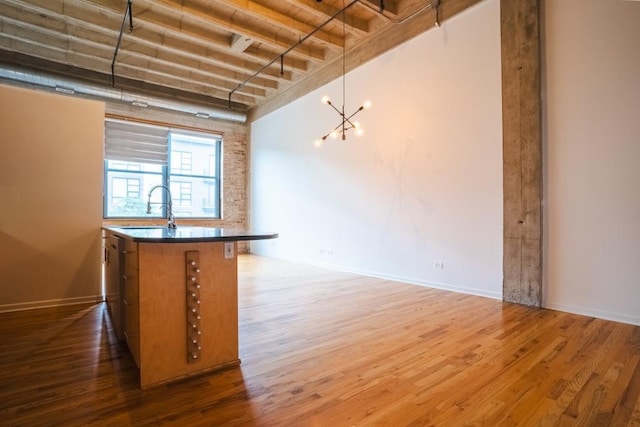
point(344, 55)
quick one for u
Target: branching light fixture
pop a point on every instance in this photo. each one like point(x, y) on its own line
point(347, 123)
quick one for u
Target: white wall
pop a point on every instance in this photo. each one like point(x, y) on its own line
point(592, 155)
point(50, 199)
point(424, 184)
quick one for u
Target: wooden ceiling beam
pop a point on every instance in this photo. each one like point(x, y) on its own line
point(324, 11)
point(142, 34)
point(285, 22)
point(210, 15)
point(290, 63)
point(390, 6)
point(100, 12)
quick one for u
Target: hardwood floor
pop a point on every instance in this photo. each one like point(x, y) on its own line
point(325, 348)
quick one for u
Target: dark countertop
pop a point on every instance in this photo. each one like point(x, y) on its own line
point(186, 234)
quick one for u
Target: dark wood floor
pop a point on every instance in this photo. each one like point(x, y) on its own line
point(324, 348)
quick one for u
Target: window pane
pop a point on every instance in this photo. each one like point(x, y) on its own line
point(193, 155)
point(181, 193)
point(127, 186)
point(180, 162)
point(194, 197)
point(194, 166)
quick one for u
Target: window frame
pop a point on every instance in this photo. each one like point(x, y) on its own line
point(166, 179)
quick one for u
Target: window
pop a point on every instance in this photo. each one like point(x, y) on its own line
point(180, 162)
point(124, 188)
point(139, 157)
point(181, 192)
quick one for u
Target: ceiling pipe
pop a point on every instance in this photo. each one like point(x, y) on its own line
point(70, 86)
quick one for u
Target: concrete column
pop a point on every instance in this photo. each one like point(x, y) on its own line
point(522, 151)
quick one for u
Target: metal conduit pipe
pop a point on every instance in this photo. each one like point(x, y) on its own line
point(70, 86)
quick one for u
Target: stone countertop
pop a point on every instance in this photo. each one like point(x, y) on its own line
point(186, 234)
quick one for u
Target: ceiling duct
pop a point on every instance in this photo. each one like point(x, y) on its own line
point(70, 86)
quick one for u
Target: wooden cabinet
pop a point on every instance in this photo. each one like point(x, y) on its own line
point(121, 288)
point(149, 288)
point(113, 281)
point(131, 324)
point(164, 281)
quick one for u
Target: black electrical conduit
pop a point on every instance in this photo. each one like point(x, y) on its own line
point(115, 53)
point(433, 5)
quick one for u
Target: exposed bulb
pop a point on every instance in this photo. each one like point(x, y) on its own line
point(356, 125)
point(333, 134)
point(325, 100)
point(367, 104)
point(359, 131)
point(317, 143)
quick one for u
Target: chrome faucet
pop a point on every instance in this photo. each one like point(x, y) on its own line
point(172, 220)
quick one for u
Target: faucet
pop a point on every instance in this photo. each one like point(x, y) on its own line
point(172, 220)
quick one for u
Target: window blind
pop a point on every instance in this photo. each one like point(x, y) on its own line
point(135, 142)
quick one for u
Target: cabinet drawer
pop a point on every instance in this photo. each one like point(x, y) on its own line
point(132, 317)
point(130, 271)
point(134, 346)
point(132, 323)
point(131, 254)
point(131, 290)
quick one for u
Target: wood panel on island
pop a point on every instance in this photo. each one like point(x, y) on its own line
point(194, 345)
point(172, 295)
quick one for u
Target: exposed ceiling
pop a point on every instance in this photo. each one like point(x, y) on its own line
point(247, 55)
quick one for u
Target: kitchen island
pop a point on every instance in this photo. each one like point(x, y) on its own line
point(172, 295)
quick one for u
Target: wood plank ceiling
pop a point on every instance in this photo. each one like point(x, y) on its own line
point(210, 50)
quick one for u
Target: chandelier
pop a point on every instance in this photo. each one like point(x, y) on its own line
point(346, 121)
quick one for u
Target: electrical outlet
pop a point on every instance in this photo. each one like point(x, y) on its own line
point(228, 250)
point(439, 265)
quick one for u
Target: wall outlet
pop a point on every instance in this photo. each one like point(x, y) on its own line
point(228, 250)
point(439, 265)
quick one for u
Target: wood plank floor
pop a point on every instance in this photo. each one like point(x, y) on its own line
point(325, 348)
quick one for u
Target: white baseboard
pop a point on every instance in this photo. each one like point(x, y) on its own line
point(4, 308)
point(402, 279)
point(605, 315)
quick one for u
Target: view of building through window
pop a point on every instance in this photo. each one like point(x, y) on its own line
point(192, 174)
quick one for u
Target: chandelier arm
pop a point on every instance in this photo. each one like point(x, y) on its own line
point(334, 107)
point(330, 132)
point(335, 128)
point(348, 119)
